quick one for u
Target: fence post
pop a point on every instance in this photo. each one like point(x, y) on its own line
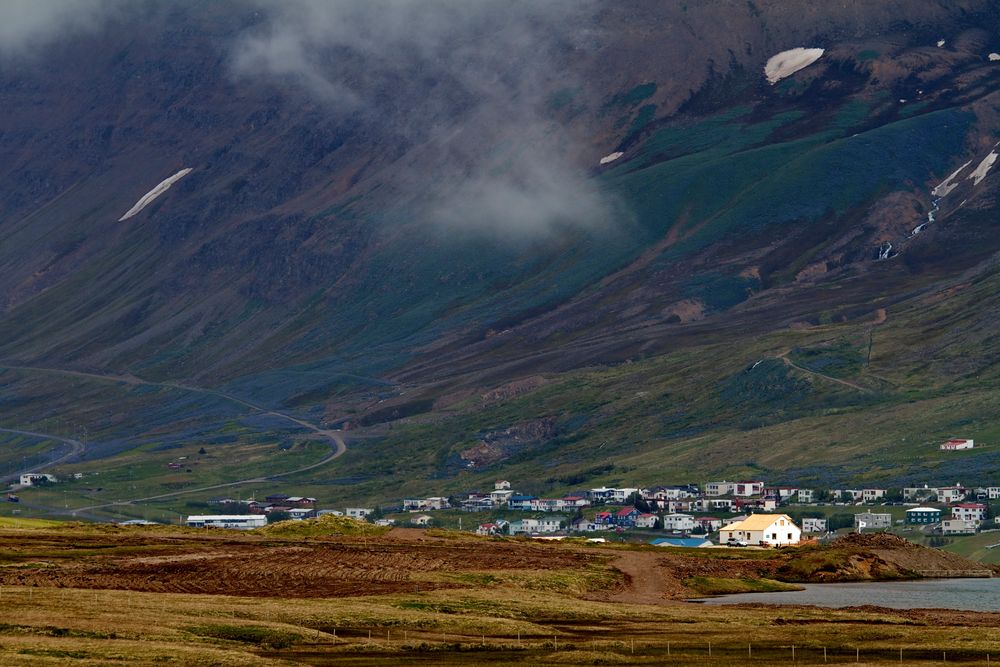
point(857, 654)
point(709, 649)
point(749, 651)
point(793, 652)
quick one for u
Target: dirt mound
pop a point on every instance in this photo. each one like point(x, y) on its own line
point(327, 524)
point(874, 541)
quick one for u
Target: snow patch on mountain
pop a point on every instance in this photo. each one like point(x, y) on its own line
point(993, 57)
point(984, 168)
point(789, 62)
point(612, 157)
point(944, 188)
point(148, 198)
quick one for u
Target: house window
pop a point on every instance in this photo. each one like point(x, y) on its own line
point(789, 536)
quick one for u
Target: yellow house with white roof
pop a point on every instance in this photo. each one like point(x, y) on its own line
point(772, 529)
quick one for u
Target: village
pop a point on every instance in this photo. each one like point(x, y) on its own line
point(728, 513)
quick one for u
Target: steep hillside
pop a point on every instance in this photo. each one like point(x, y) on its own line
point(522, 236)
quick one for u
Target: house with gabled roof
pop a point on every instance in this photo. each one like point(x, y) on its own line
point(770, 529)
point(626, 516)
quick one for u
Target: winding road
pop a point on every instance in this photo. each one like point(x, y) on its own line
point(77, 448)
point(334, 436)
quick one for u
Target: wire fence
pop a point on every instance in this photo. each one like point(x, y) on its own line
point(666, 652)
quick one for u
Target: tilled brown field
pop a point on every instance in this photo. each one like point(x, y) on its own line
point(255, 566)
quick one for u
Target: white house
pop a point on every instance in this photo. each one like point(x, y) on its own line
point(872, 521)
point(747, 489)
point(358, 512)
point(32, 478)
point(975, 512)
point(956, 444)
point(951, 494)
point(772, 529)
point(917, 492)
point(425, 504)
point(530, 526)
point(500, 496)
point(422, 520)
point(709, 523)
point(958, 527)
point(646, 521)
point(722, 488)
point(713, 504)
point(501, 485)
point(871, 495)
point(849, 495)
point(586, 526)
point(781, 493)
point(491, 528)
point(235, 521)
point(811, 525)
point(805, 495)
point(674, 506)
point(679, 523)
point(993, 492)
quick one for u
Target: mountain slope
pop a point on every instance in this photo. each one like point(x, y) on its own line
point(551, 203)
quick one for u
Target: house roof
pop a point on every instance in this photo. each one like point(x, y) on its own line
point(679, 542)
point(971, 506)
point(758, 522)
point(923, 509)
point(625, 511)
point(646, 515)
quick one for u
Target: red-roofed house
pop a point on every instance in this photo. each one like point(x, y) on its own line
point(956, 444)
point(488, 529)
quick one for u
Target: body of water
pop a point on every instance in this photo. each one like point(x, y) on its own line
point(965, 594)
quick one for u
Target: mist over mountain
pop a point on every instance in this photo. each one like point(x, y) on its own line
point(447, 221)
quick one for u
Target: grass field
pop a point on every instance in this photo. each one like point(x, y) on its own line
point(516, 603)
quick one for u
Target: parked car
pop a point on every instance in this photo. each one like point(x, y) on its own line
point(733, 542)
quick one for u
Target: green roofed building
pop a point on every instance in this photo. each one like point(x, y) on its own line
point(923, 515)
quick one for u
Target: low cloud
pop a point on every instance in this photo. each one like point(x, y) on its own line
point(464, 83)
point(29, 25)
